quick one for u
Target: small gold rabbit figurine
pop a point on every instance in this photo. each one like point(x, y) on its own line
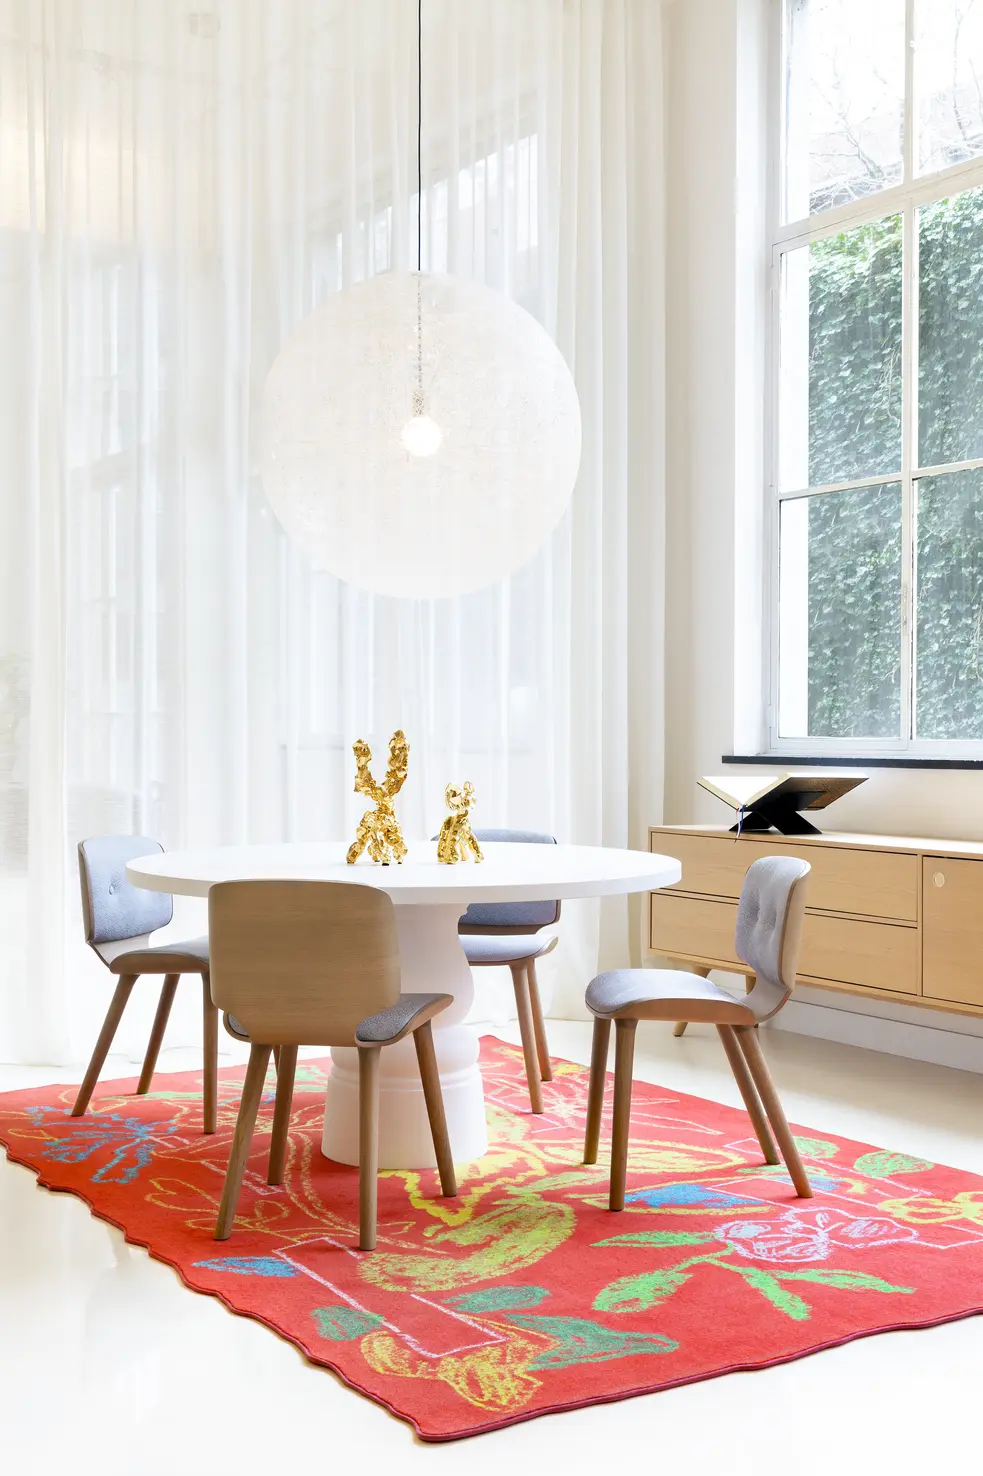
point(456, 840)
point(379, 829)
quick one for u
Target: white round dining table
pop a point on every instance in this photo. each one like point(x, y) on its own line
point(429, 899)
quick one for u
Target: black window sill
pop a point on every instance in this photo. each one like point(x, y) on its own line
point(901, 761)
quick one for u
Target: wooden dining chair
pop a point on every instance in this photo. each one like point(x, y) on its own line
point(317, 963)
point(770, 915)
point(509, 934)
point(119, 919)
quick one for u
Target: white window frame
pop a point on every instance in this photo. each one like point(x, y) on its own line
point(904, 199)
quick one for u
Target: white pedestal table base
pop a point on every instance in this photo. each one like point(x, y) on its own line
point(432, 961)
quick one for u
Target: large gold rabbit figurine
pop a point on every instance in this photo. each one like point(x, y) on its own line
point(379, 829)
point(456, 840)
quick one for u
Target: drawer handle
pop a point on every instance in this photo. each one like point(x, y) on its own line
point(939, 878)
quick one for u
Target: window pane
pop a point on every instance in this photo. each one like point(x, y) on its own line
point(841, 357)
point(844, 101)
point(840, 614)
point(948, 77)
point(950, 389)
point(949, 653)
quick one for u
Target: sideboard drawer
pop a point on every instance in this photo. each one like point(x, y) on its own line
point(873, 955)
point(844, 878)
point(867, 883)
point(712, 865)
point(693, 927)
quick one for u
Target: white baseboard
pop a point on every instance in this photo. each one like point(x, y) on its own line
point(898, 1030)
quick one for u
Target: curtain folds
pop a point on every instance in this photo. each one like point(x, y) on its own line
point(177, 189)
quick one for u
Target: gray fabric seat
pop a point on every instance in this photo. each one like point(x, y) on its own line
point(769, 921)
point(391, 1025)
point(486, 948)
point(664, 994)
point(119, 919)
point(235, 1027)
point(383, 1029)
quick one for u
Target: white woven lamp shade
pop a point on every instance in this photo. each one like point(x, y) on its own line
point(421, 435)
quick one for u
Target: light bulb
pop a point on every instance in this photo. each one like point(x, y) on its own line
point(421, 436)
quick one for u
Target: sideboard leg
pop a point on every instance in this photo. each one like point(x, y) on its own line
point(680, 1027)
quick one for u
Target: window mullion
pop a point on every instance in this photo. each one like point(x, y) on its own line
point(909, 91)
point(909, 429)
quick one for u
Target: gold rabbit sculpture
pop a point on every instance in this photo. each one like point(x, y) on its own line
point(456, 840)
point(379, 829)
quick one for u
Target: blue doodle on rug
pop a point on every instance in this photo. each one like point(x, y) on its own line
point(249, 1266)
point(132, 1139)
point(685, 1195)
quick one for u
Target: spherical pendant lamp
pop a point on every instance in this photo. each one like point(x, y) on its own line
point(420, 433)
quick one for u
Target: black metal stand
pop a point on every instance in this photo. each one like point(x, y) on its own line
point(779, 814)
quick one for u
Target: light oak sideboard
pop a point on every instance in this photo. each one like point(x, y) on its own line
point(889, 917)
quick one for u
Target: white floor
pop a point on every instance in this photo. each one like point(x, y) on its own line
point(107, 1364)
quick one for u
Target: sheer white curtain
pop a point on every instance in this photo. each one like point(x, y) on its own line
point(177, 189)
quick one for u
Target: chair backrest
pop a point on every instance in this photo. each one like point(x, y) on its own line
point(511, 917)
point(770, 915)
point(302, 962)
point(113, 910)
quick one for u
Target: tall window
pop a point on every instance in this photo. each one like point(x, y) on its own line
point(878, 463)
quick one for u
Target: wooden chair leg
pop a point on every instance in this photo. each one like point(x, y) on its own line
point(624, 1057)
point(430, 1076)
point(595, 1092)
point(680, 1027)
point(252, 1092)
point(542, 1045)
point(281, 1113)
point(748, 1090)
point(167, 992)
point(209, 1081)
point(751, 1046)
point(368, 1145)
point(109, 1027)
point(527, 1032)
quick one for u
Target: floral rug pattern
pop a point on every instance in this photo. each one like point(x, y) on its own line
point(525, 1295)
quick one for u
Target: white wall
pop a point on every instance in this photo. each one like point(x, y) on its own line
point(717, 266)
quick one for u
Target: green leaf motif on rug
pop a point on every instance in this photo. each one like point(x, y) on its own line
point(343, 1324)
point(779, 1296)
point(885, 1165)
point(660, 1237)
point(500, 1299)
point(636, 1293)
point(847, 1281)
point(580, 1341)
point(815, 1148)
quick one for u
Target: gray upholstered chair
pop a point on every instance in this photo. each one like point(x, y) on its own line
point(769, 928)
point(119, 919)
point(317, 963)
point(507, 933)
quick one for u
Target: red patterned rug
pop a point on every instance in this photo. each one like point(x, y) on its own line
point(525, 1295)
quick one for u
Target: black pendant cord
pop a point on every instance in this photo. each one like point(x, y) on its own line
point(419, 135)
point(418, 399)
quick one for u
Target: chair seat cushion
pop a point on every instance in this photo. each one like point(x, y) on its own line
point(188, 957)
point(235, 1027)
point(483, 948)
point(389, 1024)
point(663, 994)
